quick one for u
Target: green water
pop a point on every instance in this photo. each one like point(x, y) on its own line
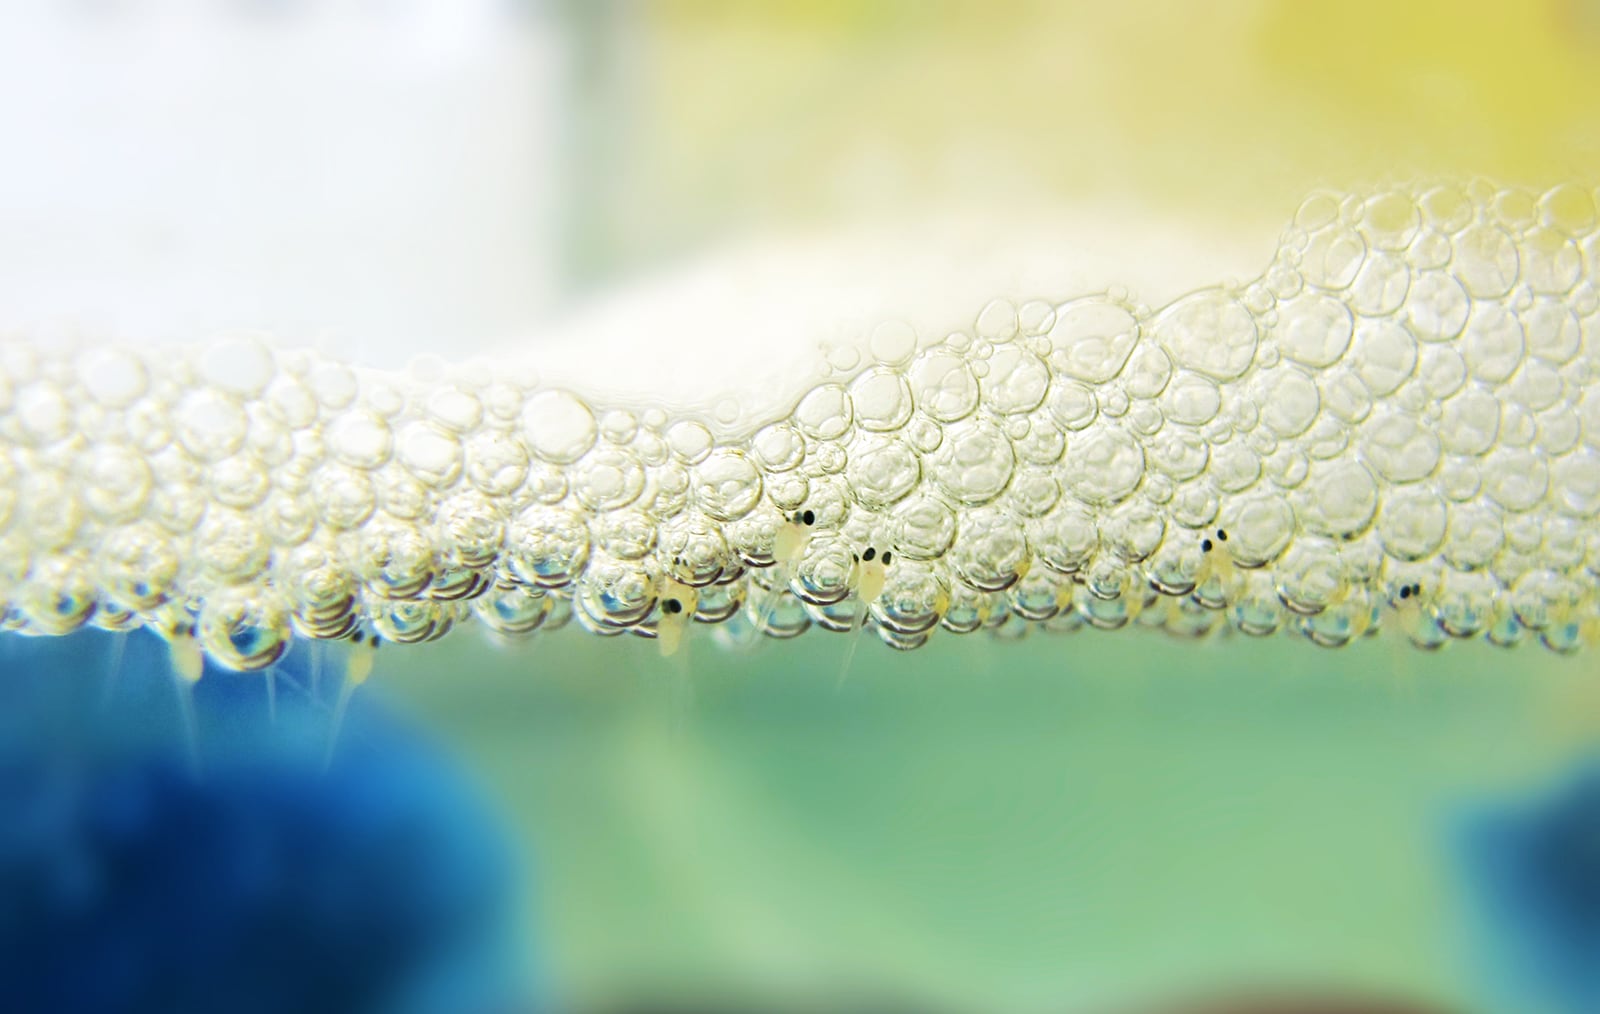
point(1058, 822)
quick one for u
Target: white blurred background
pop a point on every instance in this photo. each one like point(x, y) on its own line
point(688, 192)
point(378, 177)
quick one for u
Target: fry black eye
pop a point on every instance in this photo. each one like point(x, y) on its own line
point(886, 557)
point(1405, 592)
point(1205, 545)
point(809, 518)
point(870, 554)
point(673, 607)
point(1222, 535)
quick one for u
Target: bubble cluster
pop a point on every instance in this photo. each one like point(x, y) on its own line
point(1397, 425)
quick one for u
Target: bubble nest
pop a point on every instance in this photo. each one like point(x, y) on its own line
point(1396, 426)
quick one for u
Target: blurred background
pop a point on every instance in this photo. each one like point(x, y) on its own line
point(1089, 823)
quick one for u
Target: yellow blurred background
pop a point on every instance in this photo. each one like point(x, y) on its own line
point(713, 117)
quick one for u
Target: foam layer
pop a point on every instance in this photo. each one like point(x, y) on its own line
point(1397, 424)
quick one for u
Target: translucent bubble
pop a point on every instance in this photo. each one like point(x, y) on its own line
point(240, 482)
point(1147, 372)
point(1035, 317)
point(1315, 331)
point(1568, 207)
point(1471, 422)
point(344, 496)
point(893, 343)
point(696, 553)
point(1486, 261)
point(241, 631)
point(1492, 343)
point(413, 622)
point(1317, 211)
point(547, 546)
point(1448, 207)
point(607, 479)
point(974, 463)
point(1575, 481)
point(1553, 331)
point(1338, 499)
point(1016, 382)
point(882, 470)
point(670, 491)
point(1516, 478)
point(470, 531)
point(117, 484)
point(1289, 402)
point(626, 534)
point(1442, 371)
point(690, 442)
point(1191, 400)
point(1208, 332)
point(778, 448)
point(1473, 537)
point(1104, 465)
point(57, 597)
point(1552, 263)
point(397, 561)
point(824, 573)
point(115, 378)
point(1333, 258)
point(455, 409)
point(429, 452)
point(230, 546)
point(788, 492)
point(496, 463)
point(943, 385)
point(138, 566)
point(1385, 356)
point(360, 439)
point(1234, 467)
point(913, 600)
point(1437, 307)
point(998, 321)
point(1034, 491)
point(616, 593)
point(42, 413)
point(1380, 286)
point(1345, 398)
point(333, 385)
point(1390, 221)
point(923, 528)
point(210, 425)
point(558, 427)
point(513, 609)
point(1400, 448)
point(1092, 339)
point(240, 365)
point(881, 399)
point(991, 550)
point(727, 485)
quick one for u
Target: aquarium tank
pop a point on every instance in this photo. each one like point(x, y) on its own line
point(525, 505)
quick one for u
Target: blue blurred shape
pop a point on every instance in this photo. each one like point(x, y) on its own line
point(132, 880)
point(1533, 868)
